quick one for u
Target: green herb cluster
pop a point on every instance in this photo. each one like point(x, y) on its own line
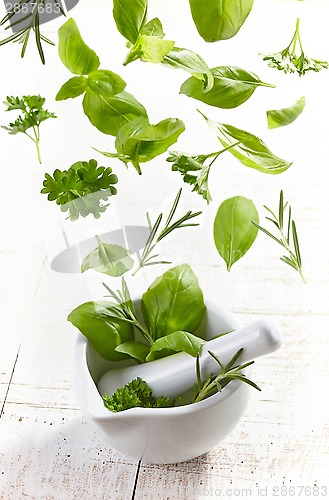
point(136, 393)
point(81, 189)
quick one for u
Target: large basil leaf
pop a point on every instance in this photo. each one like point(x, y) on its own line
point(129, 17)
point(191, 62)
point(234, 232)
point(251, 150)
point(175, 342)
point(136, 350)
point(232, 86)
point(281, 117)
point(110, 113)
point(73, 88)
point(173, 302)
point(104, 331)
point(105, 82)
point(219, 19)
point(112, 260)
point(141, 142)
point(74, 53)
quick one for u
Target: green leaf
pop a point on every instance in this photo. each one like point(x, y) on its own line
point(191, 62)
point(81, 189)
point(73, 88)
point(173, 302)
point(74, 53)
point(175, 342)
point(282, 117)
point(110, 113)
point(129, 17)
point(105, 83)
point(153, 28)
point(104, 331)
point(112, 260)
point(232, 86)
point(219, 19)
point(152, 49)
point(136, 350)
point(251, 150)
point(233, 231)
point(140, 142)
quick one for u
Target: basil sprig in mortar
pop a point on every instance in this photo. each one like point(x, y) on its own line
point(172, 309)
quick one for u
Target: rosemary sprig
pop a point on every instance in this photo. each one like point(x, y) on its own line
point(126, 310)
point(30, 22)
point(288, 238)
point(216, 383)
point(156, 235)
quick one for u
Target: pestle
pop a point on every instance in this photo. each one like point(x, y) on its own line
point(175, 374)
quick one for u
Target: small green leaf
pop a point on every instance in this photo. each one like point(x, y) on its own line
point(175, 342)
point(73, 88)
point(105, 83)
point(104, 330)
point(164, 303)
point(231, 87)
point(251, 150)
point(74, 53)
point(234, 232)
point(282, 117)
point(110, 113)
point(152, 49)
point(136, 350)
point(112, 260)
point(220, 19)
point(129, 17)
point(153, 28)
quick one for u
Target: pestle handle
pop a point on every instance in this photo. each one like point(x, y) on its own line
point(175, 374)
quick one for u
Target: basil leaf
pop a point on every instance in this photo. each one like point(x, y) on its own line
point(175, 342)
point(173, 302)
point(234, 232)
point(152, 49)
point(219, 19)
point(281, 117)
point(141, 142)
point(232, 86)
point(74, 53)
point(251, 150)
point(98, 322)
point(191, 62)
point(129, 17)
point(112, 260)
point(136, 350)
point(105, 83)
point(73, 88)
point(110, 113)
point(153, 28)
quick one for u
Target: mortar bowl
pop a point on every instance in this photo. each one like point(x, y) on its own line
point(162, 435)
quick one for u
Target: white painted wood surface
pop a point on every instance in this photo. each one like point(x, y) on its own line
point(47, 449)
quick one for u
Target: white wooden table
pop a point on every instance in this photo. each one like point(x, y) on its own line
point(47, 449)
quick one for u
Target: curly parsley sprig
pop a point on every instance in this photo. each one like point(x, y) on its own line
point(81, 189)
point(293, 59)
point(31, 117)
